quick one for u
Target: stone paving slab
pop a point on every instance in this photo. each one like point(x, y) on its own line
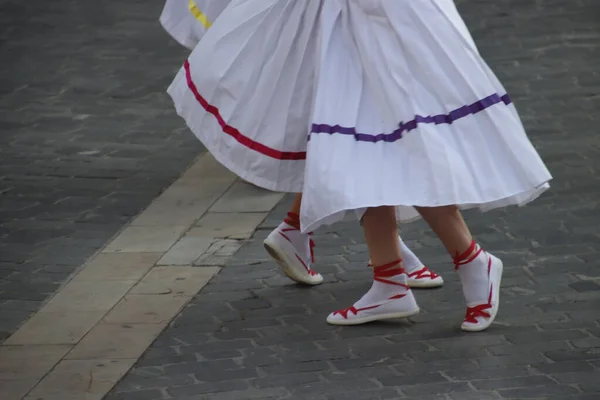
point(88, 136)
point(251, 334)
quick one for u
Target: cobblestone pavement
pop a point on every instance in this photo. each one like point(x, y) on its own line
point(251, 334)
point(88, 137)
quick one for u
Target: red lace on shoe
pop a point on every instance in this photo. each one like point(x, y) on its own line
point(344, 313)
point(379, 274)
point(423, 273)
point(387, 271)
point(479, 310)
point(469, 255)
point(293, 220)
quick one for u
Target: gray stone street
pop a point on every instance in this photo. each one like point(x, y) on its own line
point(88, 136)
point(89, 139)
point(251, 334)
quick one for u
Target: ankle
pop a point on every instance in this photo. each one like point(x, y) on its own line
point(293, 220)
point(470, 254)
point(389, 269)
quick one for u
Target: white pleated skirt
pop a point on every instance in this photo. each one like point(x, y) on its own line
point(357, 104)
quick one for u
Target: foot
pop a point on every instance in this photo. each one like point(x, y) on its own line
point(293, 251)
point(480, 274)
point(389, 298)
point(419, 276)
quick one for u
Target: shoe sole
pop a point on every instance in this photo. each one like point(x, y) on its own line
point(494, 312)
point(372, 318)
point(288, 270)
point(419, 284)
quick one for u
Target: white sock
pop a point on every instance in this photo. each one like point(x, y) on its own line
point(385, 287)
point(474, 276)
point(300, 241)
point(410, 260)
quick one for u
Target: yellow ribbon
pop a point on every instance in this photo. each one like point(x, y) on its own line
point(199, 15)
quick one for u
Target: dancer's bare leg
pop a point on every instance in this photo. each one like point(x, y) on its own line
point(418, 275)
point(448, 224)
point(479, 271)
point(389, 296)
point(381, 234)
point(295, 209)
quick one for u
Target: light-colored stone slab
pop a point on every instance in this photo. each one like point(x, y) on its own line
point(181, 210)
point(219, 252)
point(115, 341)
point(190, 196)
point(22, 363)
point(88, 296)
point(81, 380)
point(243, 197)
point(117, 267)
point(60, 327)
point(146, 309)
point(186, 250)
point(184, 202)
point(185, 281)
point(227, 225)
point(142, 239)
point(206, 167)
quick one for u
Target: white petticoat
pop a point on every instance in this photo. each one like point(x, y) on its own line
point(187, 20)
point(357, 103)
